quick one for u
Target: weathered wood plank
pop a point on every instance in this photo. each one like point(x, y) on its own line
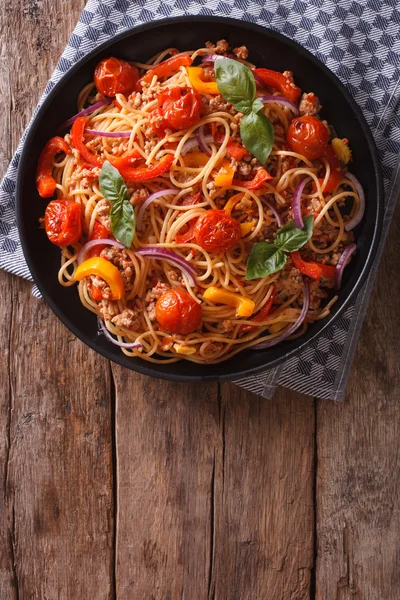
point(358, 491)
point(57, 511)
point(214, 494)
point(263, 540)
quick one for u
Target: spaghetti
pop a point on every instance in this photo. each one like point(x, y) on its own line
point(183, 242)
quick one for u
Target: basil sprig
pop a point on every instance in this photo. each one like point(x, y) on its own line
point(122, 215)
point(266, 258)
point(236, 83)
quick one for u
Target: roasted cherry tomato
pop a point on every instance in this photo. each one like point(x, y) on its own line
point(216, 232)
point(113, 76)
point(45, 182)
point(63, 222)
point(308, 136)
point(181, 107)
point(177, 312)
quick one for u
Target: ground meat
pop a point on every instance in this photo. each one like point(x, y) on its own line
point(121, 259)
point(128, 318)
point(285, 165)
point(245, 204)
point(244, 168)
point(103, 212)
point(138, 197)
point(289, 283)
point(288, 75)
point(152, 297)
point(211, 348)
point(241, 52)
point(309, 104)
point(226, 326)
point(176, 278)
point(109, 309)
point(220, 47)
point(317, 293)
point(99, 283)
point(208, 73)
point(216, 104)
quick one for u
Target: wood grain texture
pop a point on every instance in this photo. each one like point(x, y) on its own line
point(358, 493)
point(215, 492)
point(56, 457)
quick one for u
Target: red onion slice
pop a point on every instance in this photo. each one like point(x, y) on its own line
point(213, 57)
point(84, 112)
point(202, 140)
point(359, 215)
point(280, 100)
point(85, 249)
point(109, 134)
point(172, 258)
point(108, 335)
point(273, 209)
point(149, 200)
point(294, 326)
point(348, 251)
point(296, 203)
point(194, 143)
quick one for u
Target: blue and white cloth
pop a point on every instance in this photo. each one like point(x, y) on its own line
point(359, 40)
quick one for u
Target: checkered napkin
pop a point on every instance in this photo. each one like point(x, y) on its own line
point(359, 41)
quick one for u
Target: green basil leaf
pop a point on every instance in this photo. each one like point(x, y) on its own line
point(289, 238)
point(257, 105)
point(123, 221)
point(264, 259)
point(236, 83)
point(122, 215)
point(112, 186)
point(257, 135)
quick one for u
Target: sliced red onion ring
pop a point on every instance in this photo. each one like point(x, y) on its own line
point(296, 203)
point(172, 258)
point(359, 215)
point(212, 57)
point(85, 249)
point(108, 335)
point(348, 251)
point(273, 209)
point(109, 134)
point(194, 142)
point(280, 100)
point(148, 201)
point(294, 326)
point(202, 140)
point(84, 112)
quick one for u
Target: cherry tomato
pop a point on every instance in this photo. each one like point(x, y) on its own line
point(181, 107)
point(63, 222)
point(308, 136)
point(177, 312)
point(216, 232)
point(113, 76)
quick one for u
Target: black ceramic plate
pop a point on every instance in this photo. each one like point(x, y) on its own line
point(267, 49)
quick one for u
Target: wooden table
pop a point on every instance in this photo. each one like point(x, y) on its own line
point(120, 486)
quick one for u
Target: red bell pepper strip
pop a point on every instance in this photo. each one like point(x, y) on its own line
point(262, 314)
point(254, 184)
point(77, 134)
point(145, 173)
point(45, 182)
point(96, 293)
point(99, 232)
point(279, 82)
point(164, 69)
point(312, 269)
point(336, 170)
point(233, 148)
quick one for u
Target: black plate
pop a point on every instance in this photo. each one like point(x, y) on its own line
point(268, 49)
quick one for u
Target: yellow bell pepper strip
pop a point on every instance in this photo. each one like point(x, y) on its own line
point(106, 270)
point(233, 200)
point(224, 179)
point(180, 349)
point(341, 149)
point(204, 87)
point(244, 306)
point(196, 159)
point(246, 227)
